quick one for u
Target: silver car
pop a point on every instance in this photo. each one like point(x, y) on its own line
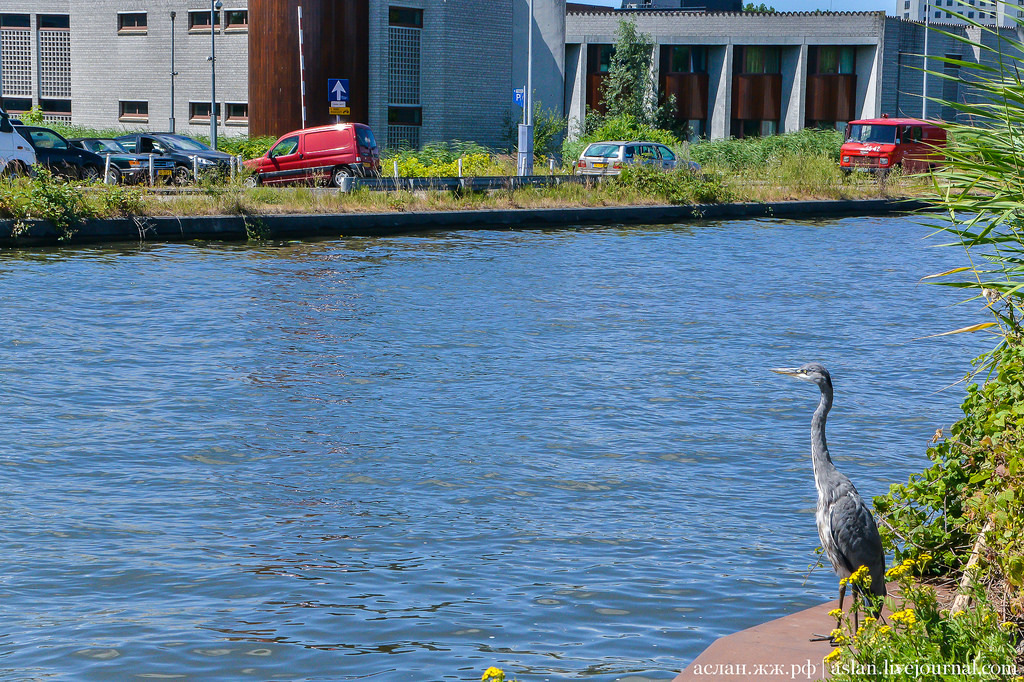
point(609, 158)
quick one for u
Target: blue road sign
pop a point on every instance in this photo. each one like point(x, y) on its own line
point(337, 90)
point(519, 96)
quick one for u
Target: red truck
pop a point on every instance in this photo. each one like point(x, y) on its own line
point(328, 153)
point(880, 144)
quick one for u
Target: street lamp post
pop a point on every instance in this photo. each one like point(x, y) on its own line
point(525, 156)
point(214, 6)
point(173, 72)
point(924, 64)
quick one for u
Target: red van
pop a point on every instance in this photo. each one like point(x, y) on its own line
point(332, 153)
point(878, 144)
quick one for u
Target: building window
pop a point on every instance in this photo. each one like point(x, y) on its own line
point(938, 15)
point(831, 59)
point(237, 19)
point(16, 105)
point(54, 56)
point(199, 112)
point(238, 114)
point(137, 112)
point(132, 22)
point(16, 55)
point(405, 16)
point(405, 116)
point(199, 20)
point(906, 4)
point(404, 113)
point(684, 59)
point(758, 59)
point(56, 110)
point(58, 21)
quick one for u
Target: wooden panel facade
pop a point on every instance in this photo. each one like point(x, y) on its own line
point(831, 97)
point(595, 91)
point(691, 93)
point(336, 45)
point(757, 96)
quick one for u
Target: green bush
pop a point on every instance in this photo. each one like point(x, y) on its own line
point(679, 186)
point(246, 147)
point(441, 159)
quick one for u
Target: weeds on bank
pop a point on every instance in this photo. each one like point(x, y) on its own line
point(45, 197)
point(920, 640)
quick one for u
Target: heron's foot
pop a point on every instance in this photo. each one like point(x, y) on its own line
point(824, 638)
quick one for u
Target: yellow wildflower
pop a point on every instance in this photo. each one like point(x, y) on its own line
point(833, 655)
point(835, 613)
point(493, 674)
point(905, 617)
point(884, 630)
point(1007, 626)
point(837, 636)
point(861, 577)
point(903, 569)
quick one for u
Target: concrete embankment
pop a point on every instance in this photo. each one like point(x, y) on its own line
point(233, 228)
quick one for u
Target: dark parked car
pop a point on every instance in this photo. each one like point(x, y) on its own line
point(125, 166)
point(59, 156)
point(183, 151)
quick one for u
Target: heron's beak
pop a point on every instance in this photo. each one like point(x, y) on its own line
point(788, 371)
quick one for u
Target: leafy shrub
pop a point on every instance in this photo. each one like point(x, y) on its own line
point(974, 484)
point(246, 147)
point(441, 159)
point(46, 198)
point(679, 186)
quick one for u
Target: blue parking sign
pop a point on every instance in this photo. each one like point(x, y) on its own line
point(519, 96)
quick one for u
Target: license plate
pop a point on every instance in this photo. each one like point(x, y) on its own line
point(600, 165)
point(164, 171)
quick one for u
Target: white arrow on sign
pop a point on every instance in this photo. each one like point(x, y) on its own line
point(339, 91)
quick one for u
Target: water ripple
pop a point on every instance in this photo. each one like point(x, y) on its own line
point(416, 457)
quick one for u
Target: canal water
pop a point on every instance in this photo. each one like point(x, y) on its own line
point(411, 458)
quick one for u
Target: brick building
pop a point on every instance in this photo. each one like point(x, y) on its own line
point(426, 70)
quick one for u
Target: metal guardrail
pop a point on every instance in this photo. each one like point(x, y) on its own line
point(474, 184)
point(382, 184)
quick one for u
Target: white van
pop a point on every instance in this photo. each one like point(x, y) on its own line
point(16, 154)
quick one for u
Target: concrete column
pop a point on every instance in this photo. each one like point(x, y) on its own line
point(794, 88)
point(575, 86)
point(720, 91)
point(869, 69)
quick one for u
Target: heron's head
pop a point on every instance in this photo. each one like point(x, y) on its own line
point(812, 371)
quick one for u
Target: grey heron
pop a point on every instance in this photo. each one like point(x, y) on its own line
point(846, 526)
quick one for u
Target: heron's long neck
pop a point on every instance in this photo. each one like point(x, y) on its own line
point(819, 448)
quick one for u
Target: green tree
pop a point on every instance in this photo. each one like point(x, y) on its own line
point(548, 128)
point(631, 87)
point(762, 8)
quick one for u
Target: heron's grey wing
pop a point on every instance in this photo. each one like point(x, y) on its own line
point(856, 538)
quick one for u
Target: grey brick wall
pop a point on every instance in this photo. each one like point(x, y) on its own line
point(107, 68)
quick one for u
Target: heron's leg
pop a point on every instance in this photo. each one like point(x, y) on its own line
point(839, 620)
point(856, 608)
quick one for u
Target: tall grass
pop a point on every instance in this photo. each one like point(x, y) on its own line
point(759, 152)
point(981, 187)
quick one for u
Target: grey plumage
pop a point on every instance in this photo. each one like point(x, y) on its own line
point(846, 526)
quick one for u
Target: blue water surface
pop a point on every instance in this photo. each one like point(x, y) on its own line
point(411, 458)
